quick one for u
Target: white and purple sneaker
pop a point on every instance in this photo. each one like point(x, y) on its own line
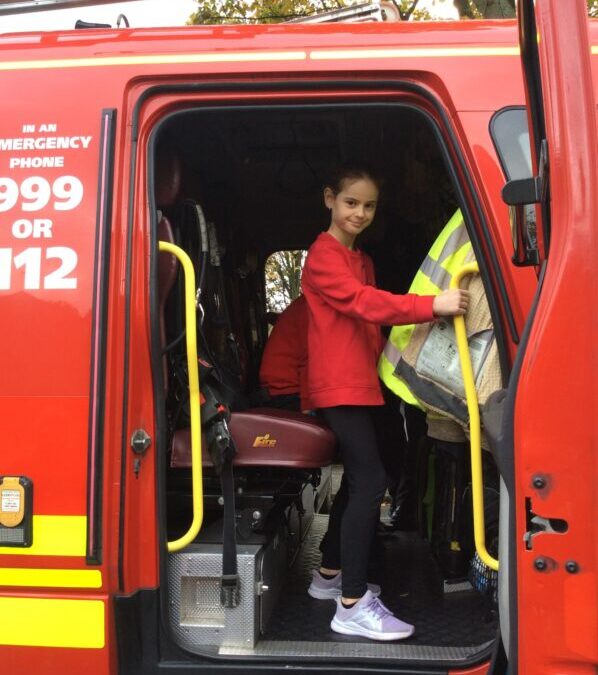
point(369, 618)
point(331, 589)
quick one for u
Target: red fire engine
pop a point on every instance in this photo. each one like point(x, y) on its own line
point(132, 161)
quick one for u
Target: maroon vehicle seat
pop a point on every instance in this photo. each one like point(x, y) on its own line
point(268, 437)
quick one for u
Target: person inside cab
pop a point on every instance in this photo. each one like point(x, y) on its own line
point(283, 370)
point(345, 311)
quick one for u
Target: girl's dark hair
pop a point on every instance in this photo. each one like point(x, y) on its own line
point(353, 170)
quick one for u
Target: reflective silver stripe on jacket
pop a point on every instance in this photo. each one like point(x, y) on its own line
point(436, 274)
point(457, 238)
point(392, 353)
point(433, 269)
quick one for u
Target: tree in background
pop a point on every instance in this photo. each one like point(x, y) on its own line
point(485, 9)
point(254, 11)
point(275, 11)
point(283, 279)
point(500, 9)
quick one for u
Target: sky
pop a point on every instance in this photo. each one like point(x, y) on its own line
point(140, 13)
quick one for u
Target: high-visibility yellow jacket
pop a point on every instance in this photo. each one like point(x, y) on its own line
point(447, 255)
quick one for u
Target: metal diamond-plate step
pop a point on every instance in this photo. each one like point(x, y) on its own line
point(448, 626)
point(340, 651)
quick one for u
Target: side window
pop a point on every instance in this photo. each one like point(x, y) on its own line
point(282, 275)
point(510, 135)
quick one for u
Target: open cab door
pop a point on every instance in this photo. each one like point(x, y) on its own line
point(551, 623)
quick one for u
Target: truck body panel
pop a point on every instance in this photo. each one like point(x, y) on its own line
point(74, 278)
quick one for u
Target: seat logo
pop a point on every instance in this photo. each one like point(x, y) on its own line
point(264, 441)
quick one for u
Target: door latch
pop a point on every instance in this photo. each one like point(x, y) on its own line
point(140, 442)
point(537, 524)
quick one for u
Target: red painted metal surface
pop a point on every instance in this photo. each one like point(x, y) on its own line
point(47, 339)
point(477, 670)
point(556, 402)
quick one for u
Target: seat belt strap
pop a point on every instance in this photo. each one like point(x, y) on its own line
point(229, 583)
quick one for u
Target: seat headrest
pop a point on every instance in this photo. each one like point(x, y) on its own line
point(168, 177)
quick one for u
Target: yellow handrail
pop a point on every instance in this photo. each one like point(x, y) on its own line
point(475, 441)
point(194, 402)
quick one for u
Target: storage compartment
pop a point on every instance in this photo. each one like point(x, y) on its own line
point(198, 618)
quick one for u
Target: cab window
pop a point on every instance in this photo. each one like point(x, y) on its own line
point(282, 278)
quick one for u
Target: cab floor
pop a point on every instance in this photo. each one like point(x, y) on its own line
point(411, 587)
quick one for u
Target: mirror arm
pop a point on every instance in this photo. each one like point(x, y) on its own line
point(523, 191)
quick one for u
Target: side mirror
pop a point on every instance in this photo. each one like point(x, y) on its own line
point(523, 233)
point(522, 196)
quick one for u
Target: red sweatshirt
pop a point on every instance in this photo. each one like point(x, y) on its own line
point(284, 364)
point(345, 310)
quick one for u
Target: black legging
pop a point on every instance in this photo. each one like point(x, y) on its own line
point(355, 511)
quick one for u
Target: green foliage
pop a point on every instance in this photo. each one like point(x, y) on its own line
point(275, 11)
point(283, 278)
point(409, 9)
point(256, 11)
point(486, 9)
point(501, 9)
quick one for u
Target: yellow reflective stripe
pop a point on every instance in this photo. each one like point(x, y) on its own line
point(430, 279)
point(449, 250)
point(248, 57)
point(411, 53)
point(154, 59)
point(423, 285)
point(456, 259)
point(454, 223)
point(434, 277)
point(459, 237)
point(45, 622)
point(54, 535)
point(452, 237)
point(42, 578)
point(437, 274)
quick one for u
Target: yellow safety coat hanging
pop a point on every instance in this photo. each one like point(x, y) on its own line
point(445, 258)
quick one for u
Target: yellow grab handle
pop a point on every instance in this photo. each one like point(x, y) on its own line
point(475, 440)
point(194, 401)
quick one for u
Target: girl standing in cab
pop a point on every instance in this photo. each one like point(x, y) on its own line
point(345, 310)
